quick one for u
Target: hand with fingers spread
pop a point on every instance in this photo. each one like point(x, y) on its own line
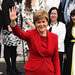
point(13, 16)
point(13, 12)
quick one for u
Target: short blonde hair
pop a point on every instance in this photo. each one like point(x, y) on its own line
point(39, 15)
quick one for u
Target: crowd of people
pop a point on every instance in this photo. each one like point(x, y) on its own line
point(51, 24)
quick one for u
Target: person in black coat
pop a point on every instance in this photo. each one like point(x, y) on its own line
point(10, 45)
point(1, 23)
point(69, 63)
point(5, 10)
point(61, 10)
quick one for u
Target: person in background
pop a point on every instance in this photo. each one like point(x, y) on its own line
point(28, 9)
point(10, 41)
point(57, 27)
point(1, 23)
point(18, 4)
point(69, 6)
point(61, 10)
point(43, 58)
point(19, 20)
point(69, 63)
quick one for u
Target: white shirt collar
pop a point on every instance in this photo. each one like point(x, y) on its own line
point(54, 24)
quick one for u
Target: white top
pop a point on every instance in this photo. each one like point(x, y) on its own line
point(60, 30)
point(29, 14)
point(52, 3)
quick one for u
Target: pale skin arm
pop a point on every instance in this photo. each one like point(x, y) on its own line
point(9, 28)
point(30, 24)
point(13, 17)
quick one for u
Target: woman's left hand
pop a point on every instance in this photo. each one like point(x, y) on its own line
point(9, 28)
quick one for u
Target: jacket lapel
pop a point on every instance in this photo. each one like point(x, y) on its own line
point(38, 42)
point(49, 39)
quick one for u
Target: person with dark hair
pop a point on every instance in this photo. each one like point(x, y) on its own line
point(69, 63)
point(10, 41)
point(57, 27)
point(43, 45)
point(28, 9)
point(18, 4)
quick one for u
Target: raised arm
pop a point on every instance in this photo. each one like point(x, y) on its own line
point(16, 30)
point(30, 24)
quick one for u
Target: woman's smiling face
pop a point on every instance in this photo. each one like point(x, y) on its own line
point(54, 15)
point(41, 25)
point(73, 18)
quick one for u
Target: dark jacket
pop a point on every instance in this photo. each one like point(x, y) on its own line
point(1, 19)
point(6, 5)
point(61, 12)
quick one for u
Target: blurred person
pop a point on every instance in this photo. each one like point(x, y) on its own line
point(1, 23)
point(28, 9)
point(69, 63)
point(61, 10)
point(18, 4)
point(69, 6)
point(10, 41)
point(43, 58)
point(57, 27)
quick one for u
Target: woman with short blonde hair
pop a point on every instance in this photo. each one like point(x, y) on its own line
point(43, 45)
point(39, 15)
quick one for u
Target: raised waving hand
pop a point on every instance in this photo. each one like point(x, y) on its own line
point(12, 13)
point(13, 16)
